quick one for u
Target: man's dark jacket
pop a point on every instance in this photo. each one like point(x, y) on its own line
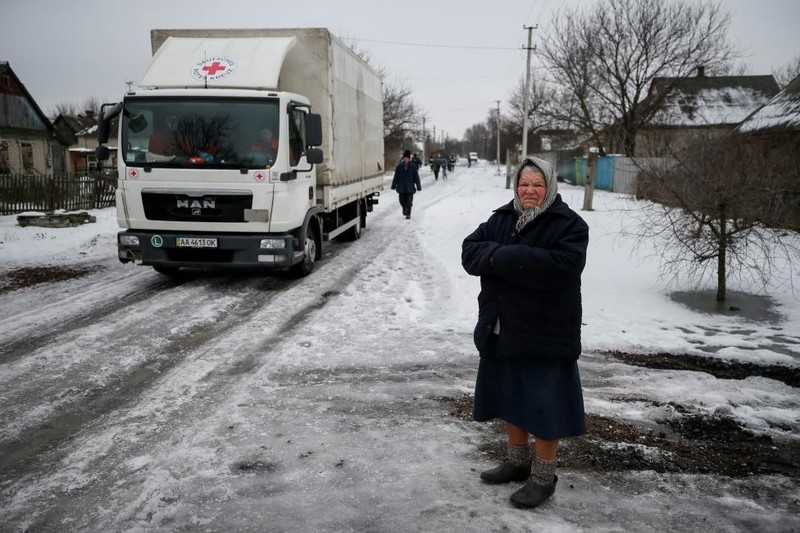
point(406, 178)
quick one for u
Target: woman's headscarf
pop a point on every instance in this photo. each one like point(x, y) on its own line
point(526, 216)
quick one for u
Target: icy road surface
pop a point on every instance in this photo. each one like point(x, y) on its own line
point(222, 402)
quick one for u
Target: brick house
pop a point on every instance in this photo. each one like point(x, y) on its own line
point(28, 140)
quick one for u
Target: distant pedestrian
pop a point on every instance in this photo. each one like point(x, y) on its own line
point(406, 182)
point(529, 254)
point(436, 165)
point(417, 161)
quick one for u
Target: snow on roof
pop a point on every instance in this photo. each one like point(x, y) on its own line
point(708, 100)
point(91, 130)
point(782, 112)
point(708, 107)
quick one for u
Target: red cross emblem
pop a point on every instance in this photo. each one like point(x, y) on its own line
point(259, 176)
point(213, 68)
point(133, 173)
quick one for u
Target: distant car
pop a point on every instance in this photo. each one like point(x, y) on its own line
point(473, 156)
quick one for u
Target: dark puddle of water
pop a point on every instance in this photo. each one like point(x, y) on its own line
point(749, 306)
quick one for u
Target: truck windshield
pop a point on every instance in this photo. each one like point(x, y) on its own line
point(216, 133)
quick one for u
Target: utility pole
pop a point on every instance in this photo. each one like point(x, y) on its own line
point(498, 137)
point(424, 140)
point(525, 119)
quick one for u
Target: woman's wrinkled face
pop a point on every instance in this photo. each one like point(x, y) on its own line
point(531, 188)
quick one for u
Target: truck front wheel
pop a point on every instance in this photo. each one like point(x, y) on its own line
point(305, 267)
point(166, 270)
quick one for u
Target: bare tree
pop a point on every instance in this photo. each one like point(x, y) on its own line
point(538, 96)
point(723, 209)
point(788, 72)
point(477, 139)
point(400, 114)
point(90, 106)
point(605, 58)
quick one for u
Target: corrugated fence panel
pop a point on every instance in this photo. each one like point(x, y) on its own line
point(628, 170)
point(579, 171)
point(604, 172)
point(625, 173)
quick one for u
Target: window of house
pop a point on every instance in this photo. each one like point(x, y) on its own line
point(26, 150)
point(5, 166)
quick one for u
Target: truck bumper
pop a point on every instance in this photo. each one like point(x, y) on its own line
point(276, 252)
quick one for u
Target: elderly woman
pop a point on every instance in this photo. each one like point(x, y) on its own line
point(529, 255)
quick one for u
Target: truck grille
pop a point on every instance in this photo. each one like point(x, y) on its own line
point(212, 207)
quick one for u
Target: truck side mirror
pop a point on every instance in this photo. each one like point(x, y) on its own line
point(104, 120)
point(102, 152)
point(314, 156)
point(313, 129)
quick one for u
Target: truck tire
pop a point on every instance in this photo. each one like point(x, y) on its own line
point(354, 233)
point(304, 267)
point(166, 270)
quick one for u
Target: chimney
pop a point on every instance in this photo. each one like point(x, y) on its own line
point(701, 72)
point(89, 114)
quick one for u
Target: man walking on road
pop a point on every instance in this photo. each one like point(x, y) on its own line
point(406, 182)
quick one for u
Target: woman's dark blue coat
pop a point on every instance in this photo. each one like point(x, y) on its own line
point(530, 282)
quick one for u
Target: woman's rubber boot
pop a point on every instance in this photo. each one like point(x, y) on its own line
point(506, 473)
point(532, 494)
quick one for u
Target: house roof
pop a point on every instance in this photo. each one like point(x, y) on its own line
point(708, 100)
point(781, 113)
point(76, 123)
point(6, 70)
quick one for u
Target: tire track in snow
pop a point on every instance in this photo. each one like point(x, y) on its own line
point(27, 451)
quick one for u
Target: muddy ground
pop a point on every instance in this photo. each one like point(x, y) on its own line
point(692, 443)
point(19, 278)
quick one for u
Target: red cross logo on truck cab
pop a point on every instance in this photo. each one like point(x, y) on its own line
point(213, 68)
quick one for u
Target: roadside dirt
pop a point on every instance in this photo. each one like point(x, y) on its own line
point(29, 276)
point(719, 368)
point(688, 442)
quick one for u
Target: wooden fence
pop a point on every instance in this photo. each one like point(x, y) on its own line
point(85, 190)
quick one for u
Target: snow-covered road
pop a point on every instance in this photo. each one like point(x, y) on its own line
point(221, 402)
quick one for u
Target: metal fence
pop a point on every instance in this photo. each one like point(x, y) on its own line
point(84, 190)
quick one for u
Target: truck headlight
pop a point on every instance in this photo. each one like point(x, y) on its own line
point(129, 240)
point(271, 244)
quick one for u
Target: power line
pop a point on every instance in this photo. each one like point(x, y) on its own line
point(431, 45)
point(495, 76)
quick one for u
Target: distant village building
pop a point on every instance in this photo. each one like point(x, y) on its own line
point(81, 133)
point(686, 110)
point(778, 121)
point(774, 131)
point(28, 141)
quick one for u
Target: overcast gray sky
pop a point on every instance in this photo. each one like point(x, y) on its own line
point(458, 57)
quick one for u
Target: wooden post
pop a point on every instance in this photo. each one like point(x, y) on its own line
point(588, 193)
point(512, 160)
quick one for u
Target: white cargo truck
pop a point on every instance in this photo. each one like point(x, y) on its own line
point(246, 148)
